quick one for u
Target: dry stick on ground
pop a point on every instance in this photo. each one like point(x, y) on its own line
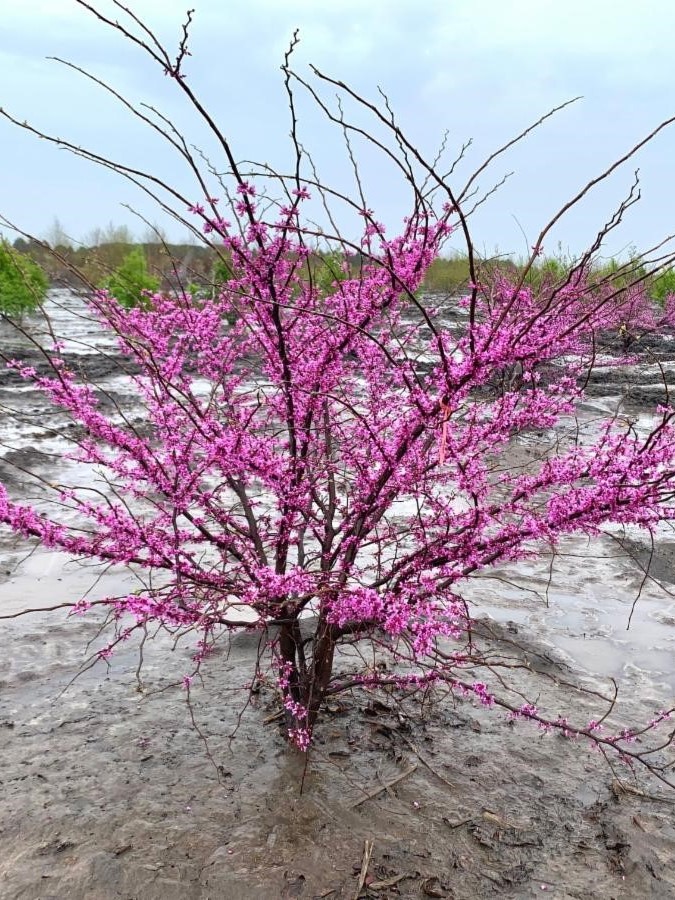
point(387, 882)
point(367, 853)
point(379, 790)
point(424, 762)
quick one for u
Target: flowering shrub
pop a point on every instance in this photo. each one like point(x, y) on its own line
point(303, 474)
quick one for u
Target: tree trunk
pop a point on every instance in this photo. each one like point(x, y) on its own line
point(307, 684)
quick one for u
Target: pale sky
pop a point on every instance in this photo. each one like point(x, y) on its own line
point(483, 70)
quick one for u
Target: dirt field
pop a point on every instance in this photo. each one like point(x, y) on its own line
point(108, 792)
point(110, 789)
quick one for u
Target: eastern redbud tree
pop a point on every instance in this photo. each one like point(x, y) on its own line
point(322, 459)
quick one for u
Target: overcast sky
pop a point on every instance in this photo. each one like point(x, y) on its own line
point(482, 70)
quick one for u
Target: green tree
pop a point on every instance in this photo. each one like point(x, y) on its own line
point(329, 269)
point(663, 285)
point(622, 274)
point(222, 272)
point(128, 282)
point(23, 284)
point(447, 275)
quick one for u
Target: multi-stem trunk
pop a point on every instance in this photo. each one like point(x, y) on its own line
point(306, 679)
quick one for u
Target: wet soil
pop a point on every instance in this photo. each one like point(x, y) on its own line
point(109, 791)
point(112, 786)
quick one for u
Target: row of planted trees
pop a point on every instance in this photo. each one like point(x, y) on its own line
point(130, 271)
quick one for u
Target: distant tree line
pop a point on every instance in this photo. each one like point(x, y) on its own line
point(131, 269)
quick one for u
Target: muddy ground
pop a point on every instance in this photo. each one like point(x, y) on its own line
point(111, 786)
point(109, 791)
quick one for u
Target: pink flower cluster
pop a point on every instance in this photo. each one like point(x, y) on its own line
point(295, 459)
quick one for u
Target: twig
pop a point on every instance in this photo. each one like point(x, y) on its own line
point(427, 764)
point(367, 853)
point(387, 882)
point(379, 790)
point(68, 605)
point(619, 787)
